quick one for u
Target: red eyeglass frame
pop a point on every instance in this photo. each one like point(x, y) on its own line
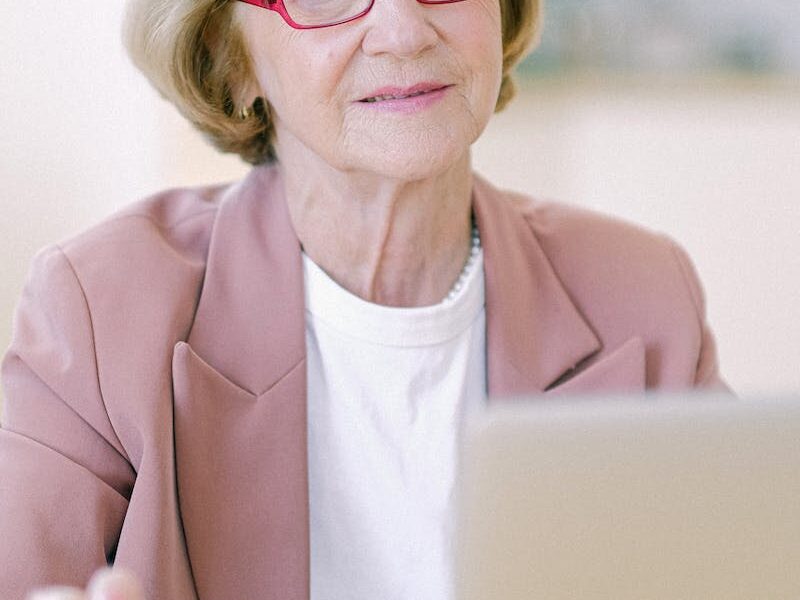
point(278, 7)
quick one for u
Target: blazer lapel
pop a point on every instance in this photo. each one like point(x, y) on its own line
point(536, 339)
point(621, 371)
point(239, 386)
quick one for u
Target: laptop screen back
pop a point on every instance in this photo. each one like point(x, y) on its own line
point(650, 498)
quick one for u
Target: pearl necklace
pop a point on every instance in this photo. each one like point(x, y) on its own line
point(474, 251)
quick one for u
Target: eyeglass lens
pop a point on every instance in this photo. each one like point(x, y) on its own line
point(323, 12)
point(316, 13)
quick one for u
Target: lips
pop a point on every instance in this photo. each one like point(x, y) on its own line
point(390, 97)
point(395, 93)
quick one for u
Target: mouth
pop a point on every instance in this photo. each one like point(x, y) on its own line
point(420, 89)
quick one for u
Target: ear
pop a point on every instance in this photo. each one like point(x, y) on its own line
point(247, 92)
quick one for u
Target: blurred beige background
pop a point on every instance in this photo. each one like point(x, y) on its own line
point(712, 161)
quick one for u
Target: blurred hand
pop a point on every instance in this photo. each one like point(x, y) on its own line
point(107, 584)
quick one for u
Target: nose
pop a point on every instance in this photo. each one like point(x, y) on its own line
point(399, 27)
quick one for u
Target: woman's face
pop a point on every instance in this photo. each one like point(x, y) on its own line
point(318, 82)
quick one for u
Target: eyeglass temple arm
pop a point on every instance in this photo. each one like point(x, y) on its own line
point(261, 3)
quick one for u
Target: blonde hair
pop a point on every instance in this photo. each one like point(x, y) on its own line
point(194, 54)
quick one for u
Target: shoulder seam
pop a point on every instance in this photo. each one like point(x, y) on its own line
point(162, 226)
point(94, 346)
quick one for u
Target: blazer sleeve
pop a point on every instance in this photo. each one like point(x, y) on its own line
point(64, 477)
point(707, 373)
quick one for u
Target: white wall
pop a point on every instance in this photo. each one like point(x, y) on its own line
point(712, 165)
point(77, 133)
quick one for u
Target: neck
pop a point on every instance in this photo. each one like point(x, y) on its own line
point(389, 241)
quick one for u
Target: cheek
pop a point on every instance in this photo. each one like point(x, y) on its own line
point(279, 65)
point(487, 44)
point(302, 86)
point(476, 34)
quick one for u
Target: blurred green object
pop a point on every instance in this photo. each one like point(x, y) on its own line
point(680, 37)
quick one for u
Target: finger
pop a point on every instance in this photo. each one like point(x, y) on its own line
point(114, 584)
point(57, 593)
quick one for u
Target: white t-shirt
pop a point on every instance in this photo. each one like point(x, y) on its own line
point(388, 389)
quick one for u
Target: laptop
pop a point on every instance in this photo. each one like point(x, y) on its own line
point(649, 498)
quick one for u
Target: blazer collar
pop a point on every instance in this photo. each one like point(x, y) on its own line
point(250, 318)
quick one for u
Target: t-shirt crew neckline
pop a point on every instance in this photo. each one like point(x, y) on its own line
point(336, 307)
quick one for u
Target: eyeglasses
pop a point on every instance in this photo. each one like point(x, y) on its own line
point(313, 14)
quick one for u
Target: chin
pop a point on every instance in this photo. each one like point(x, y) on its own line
point(413, 161)
point(412, 169)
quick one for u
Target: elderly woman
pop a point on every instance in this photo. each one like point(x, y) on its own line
point(255, 390)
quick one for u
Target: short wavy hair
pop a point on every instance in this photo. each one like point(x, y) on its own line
point(194, 54)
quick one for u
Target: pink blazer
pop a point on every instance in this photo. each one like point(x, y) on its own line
point(155, 409)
